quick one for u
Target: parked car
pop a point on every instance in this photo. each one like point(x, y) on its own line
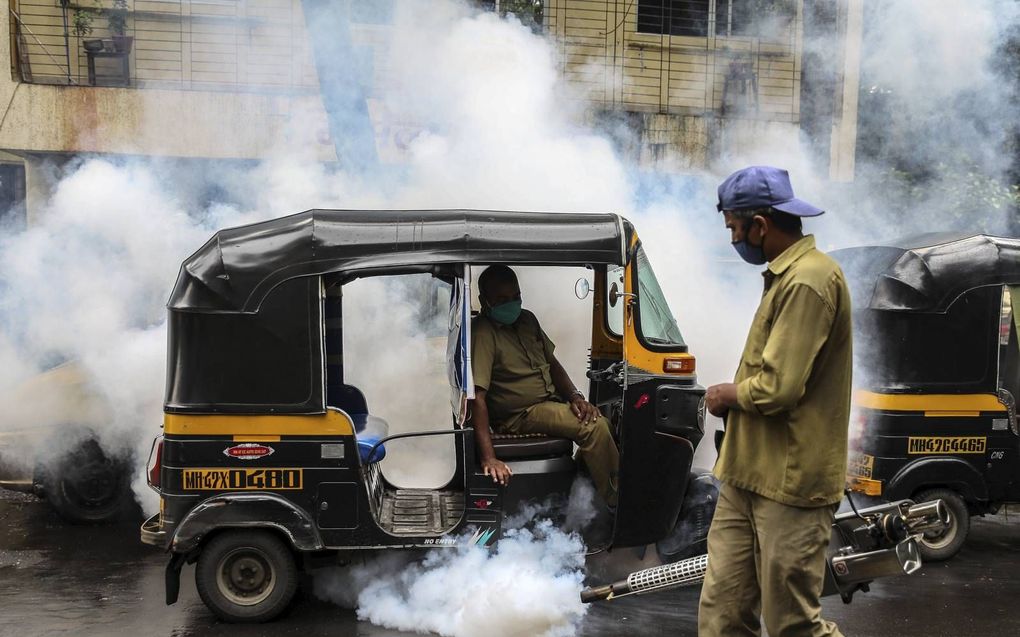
point(49, 446)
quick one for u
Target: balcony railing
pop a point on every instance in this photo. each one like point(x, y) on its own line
point(191, 44)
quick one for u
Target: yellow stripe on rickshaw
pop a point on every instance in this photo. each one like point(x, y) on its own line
point(933, 404)
point(252, 427)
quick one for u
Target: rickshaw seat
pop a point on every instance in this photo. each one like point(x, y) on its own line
point(522, 446)
point(368, 429)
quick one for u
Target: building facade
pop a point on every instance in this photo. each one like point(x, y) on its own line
point(696, 80)
point(679, 83)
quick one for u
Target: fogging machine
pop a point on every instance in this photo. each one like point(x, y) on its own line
point(866, 544)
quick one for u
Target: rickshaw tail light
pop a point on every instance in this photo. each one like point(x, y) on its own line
point(155, 463)
point(678, 365)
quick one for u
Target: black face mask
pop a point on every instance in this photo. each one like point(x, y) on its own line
point(753, 254)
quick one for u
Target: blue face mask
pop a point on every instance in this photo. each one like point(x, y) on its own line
point(753, 254)
point(506, 313)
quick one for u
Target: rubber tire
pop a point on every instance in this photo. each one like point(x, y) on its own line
point(689, 537)
point(959, 525)
point(63, 488)
point(284, 570)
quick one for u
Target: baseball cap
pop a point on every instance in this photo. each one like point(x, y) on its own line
point(760, 187)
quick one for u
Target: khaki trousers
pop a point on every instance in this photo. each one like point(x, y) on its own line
point(765, 559)
point(596, 447)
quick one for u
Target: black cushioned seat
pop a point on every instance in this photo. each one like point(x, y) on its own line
point(521, 446)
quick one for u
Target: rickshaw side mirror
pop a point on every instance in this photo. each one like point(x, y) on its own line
point(614, 295)
point(582, 288)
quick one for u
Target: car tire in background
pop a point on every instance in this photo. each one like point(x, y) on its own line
point(937, 547)
point(246, 576)
point(86, 486)
point(689, 537)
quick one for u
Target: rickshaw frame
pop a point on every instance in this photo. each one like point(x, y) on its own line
point(936, 405)
point(268, 297)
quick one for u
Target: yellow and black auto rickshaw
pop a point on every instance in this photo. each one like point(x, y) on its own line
point(938, 369)
point(269, 462)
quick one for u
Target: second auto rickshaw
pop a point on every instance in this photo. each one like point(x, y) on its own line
point(938, 368)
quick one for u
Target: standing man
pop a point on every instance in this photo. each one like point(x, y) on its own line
point(783, 458)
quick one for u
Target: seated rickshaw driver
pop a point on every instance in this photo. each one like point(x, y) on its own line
point(520, 387)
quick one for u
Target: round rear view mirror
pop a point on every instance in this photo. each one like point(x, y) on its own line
point(582, 288)
point(614, 294)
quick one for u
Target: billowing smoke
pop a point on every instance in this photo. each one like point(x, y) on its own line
point(492, 126)
point(527, 586)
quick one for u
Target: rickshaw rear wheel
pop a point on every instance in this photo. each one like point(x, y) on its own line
point(246, 576)
point(940, 546)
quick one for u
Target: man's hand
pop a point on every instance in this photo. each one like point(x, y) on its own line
point(719, 399)
point(584, 410)
point(498, 469)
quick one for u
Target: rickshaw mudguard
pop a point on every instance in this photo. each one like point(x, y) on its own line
point(652, 489)
point(924, 472)
point(246, 510)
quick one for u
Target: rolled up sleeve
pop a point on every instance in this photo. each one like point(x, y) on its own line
point(802, 324)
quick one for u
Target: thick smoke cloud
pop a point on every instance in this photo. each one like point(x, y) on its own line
point(527, 587)
point(492, 126)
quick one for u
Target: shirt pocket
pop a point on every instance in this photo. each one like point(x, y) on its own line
point(757, 337)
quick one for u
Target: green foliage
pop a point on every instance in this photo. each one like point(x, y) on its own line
point(81, 21)
point(83, 17)
point(116, 17)
point(956, 187)
point(529, 12)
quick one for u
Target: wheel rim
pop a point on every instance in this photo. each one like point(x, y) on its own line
point(93, 485)
point(245, 576)
point(937, 540)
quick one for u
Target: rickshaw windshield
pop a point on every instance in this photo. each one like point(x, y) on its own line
point(655, 320)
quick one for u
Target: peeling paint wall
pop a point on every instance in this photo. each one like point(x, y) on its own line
point(230, 122)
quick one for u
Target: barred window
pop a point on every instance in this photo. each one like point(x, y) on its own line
point(769, 19)
point(673, 17)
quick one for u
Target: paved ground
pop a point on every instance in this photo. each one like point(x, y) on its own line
point(56, 579)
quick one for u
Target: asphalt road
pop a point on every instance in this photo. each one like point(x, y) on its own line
point(59, 580)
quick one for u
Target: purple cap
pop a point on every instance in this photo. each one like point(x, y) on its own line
point(762, 187)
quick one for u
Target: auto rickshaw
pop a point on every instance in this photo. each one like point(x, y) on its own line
point(268, 462)
point(938, 371)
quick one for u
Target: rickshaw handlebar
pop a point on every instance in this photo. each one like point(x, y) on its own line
point(415, 434)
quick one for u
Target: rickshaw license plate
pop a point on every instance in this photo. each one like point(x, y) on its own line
point(241, 479)
point(946, 444)
point(860, 464)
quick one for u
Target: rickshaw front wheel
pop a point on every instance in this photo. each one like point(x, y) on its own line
point(246, 576)
point(942, 545)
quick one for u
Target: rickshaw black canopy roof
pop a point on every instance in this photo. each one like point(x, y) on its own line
point(926, 273)
point(236, 269)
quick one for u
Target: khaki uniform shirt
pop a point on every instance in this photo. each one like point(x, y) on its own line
point(512, 363)
point(788, 439)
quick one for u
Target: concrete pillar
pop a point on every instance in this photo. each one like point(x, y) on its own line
point(40, 181)
point(842, 150)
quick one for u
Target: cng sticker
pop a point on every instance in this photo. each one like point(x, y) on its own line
point(248, 451)
point(946, 444)
point(242, 479)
